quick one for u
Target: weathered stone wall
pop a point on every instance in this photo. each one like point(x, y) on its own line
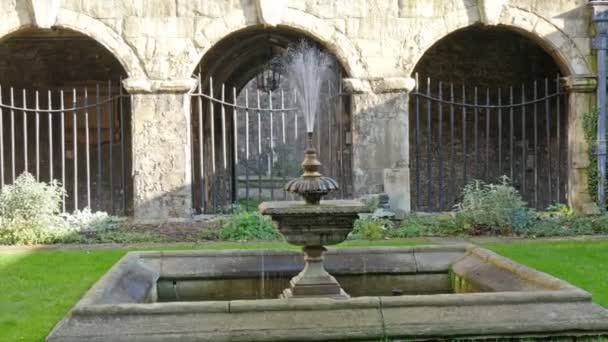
point(160, 42)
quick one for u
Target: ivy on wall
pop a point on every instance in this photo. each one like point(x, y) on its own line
point(590, 128)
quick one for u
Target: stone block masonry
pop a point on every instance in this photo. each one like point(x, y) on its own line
point(379, 43)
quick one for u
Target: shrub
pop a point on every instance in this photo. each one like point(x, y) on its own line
point(497, 208)
point(247, 225)
point(371, 228)
point(415, 225)
point(29, 212)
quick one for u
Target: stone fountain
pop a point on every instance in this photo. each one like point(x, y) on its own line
point(313, 224)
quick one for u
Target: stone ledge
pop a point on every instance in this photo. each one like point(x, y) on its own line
point(379, 85)
point(148, 86)
point(579, 83)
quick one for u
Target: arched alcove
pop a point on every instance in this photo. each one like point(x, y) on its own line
point(269, 144)
point(451, 145)
point(87, 149)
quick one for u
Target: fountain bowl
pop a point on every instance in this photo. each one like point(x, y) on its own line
point(324, 224)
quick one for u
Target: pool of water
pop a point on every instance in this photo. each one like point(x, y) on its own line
point(272, 285)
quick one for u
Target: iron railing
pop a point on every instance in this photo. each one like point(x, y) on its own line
point(247, 144)
point(464, 133)
point(85, 146)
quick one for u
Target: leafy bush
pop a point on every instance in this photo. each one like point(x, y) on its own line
point(416, 225)
point(247, 225)
point(371, 228)
point(560, 209)
point(494, 208)
point(30, 213)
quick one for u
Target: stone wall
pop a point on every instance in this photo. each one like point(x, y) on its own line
point(159, 43)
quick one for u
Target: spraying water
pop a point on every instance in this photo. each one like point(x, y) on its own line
point(307, 67)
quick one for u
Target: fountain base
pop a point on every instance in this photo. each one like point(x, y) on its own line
point(314, 280)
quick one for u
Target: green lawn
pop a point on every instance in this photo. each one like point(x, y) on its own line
point(582, 263)
point(37, 288)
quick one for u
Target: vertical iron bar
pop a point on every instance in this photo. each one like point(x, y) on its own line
point(37, 132)
point(511, 156)
point(499, 137)
point(87, 145)
point(476, 132)
point(488, 118)
point(548, 133)
point(50, 124)
point(558, 138)
point(270, 168)
point(429, 151)
point(439, 149)
point(13, 133)
point(451, 187)
point(235, 162)
point(223, 113)
point(25, 146)
point(201, 146)
point(464, 135)
point(62, 124)
point(417, 146)
point(75, 146)
point(246, 149)
point(211, 109)
point(123, 162)
point(341, 138)
point(329, 126)
point(111, 152)
point(524, 143)
point(99, 160)
point(259, 148)
point(284, 139)
point(535, 125)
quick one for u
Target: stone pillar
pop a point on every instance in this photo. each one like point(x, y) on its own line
point(161, 143)
point(581, 100)
point(380, 138)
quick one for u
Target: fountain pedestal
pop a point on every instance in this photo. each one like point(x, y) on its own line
point(314, 226)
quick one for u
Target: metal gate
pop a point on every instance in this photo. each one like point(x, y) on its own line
point(248, 144)
point(78, 135)
point(461, 133)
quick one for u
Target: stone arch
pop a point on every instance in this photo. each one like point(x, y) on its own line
point(327, 35)
point(86, 25)
point(535, 27)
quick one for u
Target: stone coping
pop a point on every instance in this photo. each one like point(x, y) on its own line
point(121, 305)
point(325, 207)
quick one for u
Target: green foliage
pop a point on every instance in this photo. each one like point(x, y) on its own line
point(250, 204)
point(246, 226)
point(561, 209)
point(416, 225)
point(573, 225)
point(30, 213)
point(371, 228)
point(494, 208)
point(590, 132)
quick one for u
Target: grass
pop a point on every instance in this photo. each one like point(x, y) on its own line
point(581, 263)
point(38, 287)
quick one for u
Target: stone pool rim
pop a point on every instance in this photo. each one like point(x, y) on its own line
point(386, 316)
